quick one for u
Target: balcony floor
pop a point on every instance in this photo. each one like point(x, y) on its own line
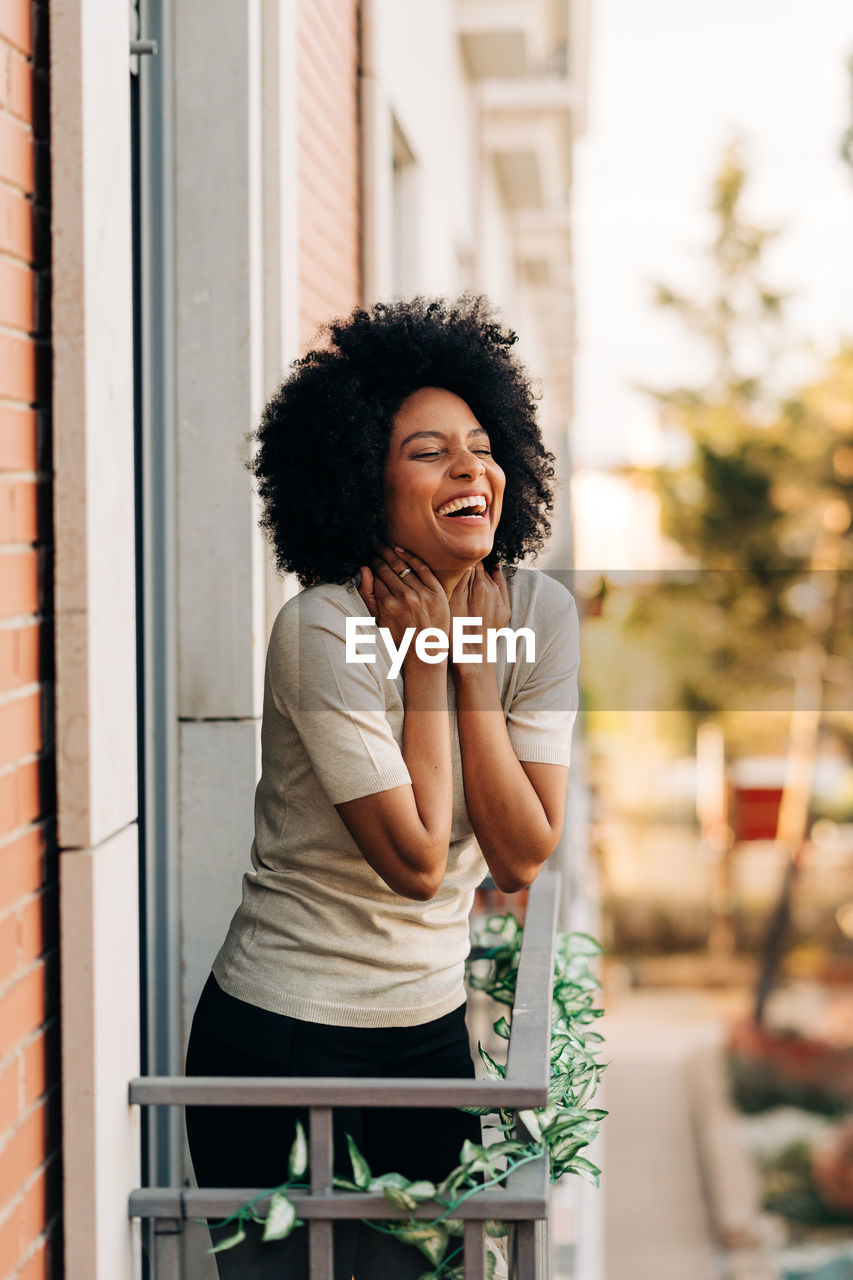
point(657, 1224)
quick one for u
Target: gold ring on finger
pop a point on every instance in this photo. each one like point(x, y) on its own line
point(403, 572)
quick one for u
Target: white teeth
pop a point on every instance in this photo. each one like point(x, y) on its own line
point(477, 505)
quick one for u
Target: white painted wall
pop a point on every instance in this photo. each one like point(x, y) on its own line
point(224, 371)
point(95, 631)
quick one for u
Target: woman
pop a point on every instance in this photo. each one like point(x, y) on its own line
point(403, 457)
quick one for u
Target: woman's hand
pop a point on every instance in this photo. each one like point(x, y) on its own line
point(415, 599)
point(480, 594)
point(404, 832)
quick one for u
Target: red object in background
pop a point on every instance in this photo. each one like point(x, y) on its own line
point(832, 1168)
point(755, 812)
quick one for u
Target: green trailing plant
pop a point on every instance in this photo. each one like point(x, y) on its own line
point(561, 1129)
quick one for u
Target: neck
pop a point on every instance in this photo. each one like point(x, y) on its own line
point(450, 578)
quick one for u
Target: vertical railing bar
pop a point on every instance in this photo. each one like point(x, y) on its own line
point(529, 1045)
point(543, 1245)
point(525, 1251)
point(475, 1257)
point(321, 1150)
point(167, 1260)
point(320, 1252)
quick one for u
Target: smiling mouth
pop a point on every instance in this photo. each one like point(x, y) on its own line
point(470, 510)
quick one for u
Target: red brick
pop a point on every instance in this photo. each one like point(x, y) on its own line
point(16, 295)
point(40, 1061)
point(17, 369)
point(24, 1153)
point(9, 1097)
point(40, 1202)
point(16, 24)
point(18, 511)
point(20, 797)
point(10, 1243)
point(22, 1011)
point(330, 276)
point(19, 656)
point(36, 1266)
point(16, 83)
point(21, 867)
point(20, 728)
point(16, 225)
point(19, 584)
point(8, 948)
point(18, 440)
point(35, 926)
point(16, 153)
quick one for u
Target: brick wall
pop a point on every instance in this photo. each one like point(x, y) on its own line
point(329, 162)
point(30, 1170)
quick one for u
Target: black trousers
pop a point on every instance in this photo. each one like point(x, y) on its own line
point(249, 1146)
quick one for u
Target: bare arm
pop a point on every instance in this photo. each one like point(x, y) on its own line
point(516, 808)
point(404, 832)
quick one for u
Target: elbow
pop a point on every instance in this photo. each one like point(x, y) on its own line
point(417, 886)
point(419, 881)
point(423, 890)
point(511, 874)
point(515, 880)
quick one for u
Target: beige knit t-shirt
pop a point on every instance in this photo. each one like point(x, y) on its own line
point(319, 935)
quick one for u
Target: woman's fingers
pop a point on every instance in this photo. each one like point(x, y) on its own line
point(420, 567)
point(367, 590)
point(385, 573)
point(498, 577)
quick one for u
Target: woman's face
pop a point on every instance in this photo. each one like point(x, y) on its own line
point(443, 488)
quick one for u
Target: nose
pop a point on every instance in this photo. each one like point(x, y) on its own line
point(467, 464)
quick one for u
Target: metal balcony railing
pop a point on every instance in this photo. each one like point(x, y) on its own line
point(522, 1202)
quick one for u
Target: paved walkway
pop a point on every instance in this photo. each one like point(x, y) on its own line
point(656, 1224)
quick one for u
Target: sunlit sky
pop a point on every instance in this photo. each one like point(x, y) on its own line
point(670, 82)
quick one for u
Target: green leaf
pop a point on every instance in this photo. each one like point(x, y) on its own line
point(453, 1180)
point(506, 926)
point(584, 944)
point(585, 1168)
point(345, 1184)
point(475, 1158)
point(431, 1240)
point(402, 1193)
point(298, 1162)
point(501, 1027)
point(399, 1198)
point(422, 1190)
point(531, 1122)
point(564, 1149)
point(281, 1218)
point(237, 1238)
point(493, 1069)
point(360, 1167)
point(496, 1229)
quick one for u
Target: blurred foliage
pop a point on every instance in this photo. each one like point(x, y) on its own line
point(760, 502)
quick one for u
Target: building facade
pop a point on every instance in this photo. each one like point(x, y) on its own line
point(194, 198)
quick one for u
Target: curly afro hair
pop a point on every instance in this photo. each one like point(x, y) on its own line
point(323, 437)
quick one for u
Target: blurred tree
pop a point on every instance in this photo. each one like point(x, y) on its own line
point(760, 503)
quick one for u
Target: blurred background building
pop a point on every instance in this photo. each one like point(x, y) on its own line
point(182, 204)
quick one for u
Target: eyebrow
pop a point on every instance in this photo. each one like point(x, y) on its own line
point(440, 435)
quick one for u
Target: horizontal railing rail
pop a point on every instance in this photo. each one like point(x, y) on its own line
point(522, 1201)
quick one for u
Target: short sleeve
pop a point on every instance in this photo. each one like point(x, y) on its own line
point(337, 708)
point(543, 711)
